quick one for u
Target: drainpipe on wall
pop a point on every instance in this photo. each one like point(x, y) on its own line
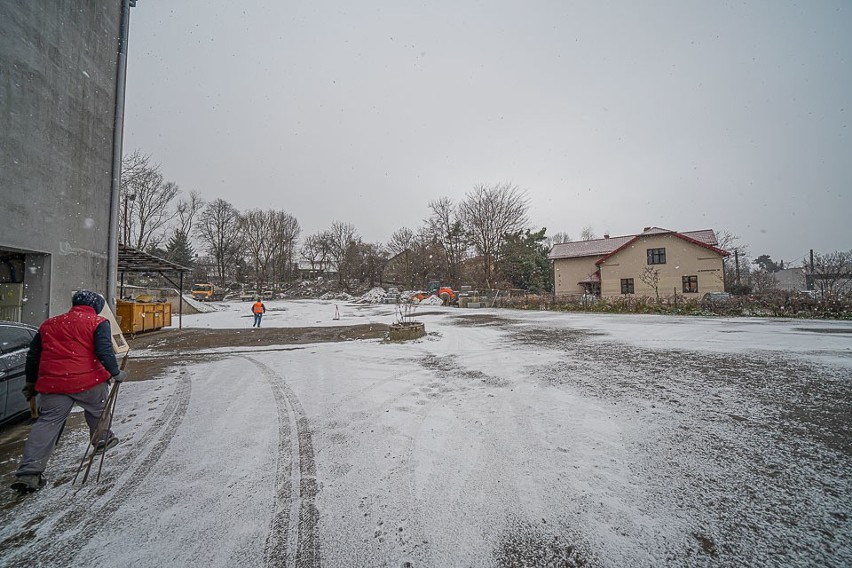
point(117, 140)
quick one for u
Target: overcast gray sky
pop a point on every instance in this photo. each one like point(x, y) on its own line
point(685, 115)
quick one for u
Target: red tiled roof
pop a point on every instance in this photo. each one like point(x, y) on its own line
point(605, 247)
point(689, 237)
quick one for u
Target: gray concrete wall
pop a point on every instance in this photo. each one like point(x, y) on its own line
point(57, 107)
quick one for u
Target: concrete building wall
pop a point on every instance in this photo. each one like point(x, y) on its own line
point(567, 272)
point(57, 107)
point(790, 279)
point(682, 259)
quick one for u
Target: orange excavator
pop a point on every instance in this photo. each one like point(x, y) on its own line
point(448, 295)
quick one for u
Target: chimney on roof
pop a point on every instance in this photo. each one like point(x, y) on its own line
point(606, 235)
point(645, 229)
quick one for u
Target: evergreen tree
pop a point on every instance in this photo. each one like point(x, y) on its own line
point(764, 262)
point(179, 250)
point(524, 262)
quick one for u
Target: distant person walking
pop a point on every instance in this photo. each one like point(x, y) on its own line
point(69, 362)
point(258, 309)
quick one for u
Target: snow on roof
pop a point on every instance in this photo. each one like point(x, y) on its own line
point(603, 247)
point(706, 236)
point(596, 247)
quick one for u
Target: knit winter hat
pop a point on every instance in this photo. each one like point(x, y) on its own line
point(88, 298)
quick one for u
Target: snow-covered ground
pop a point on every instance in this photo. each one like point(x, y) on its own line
point(502, 438)
point(290, 313)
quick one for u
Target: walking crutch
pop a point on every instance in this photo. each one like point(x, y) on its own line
point(104, 425)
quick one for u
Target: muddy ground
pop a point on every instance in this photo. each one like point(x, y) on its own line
point(173, 346)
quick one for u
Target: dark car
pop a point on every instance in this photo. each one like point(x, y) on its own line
point(15, 341)
point(711, 299)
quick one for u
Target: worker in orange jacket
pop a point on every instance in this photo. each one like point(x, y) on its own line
point(258, 309)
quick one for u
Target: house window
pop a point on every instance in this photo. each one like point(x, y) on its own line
point(657, 256)
point(690, 284)
point(627, 286)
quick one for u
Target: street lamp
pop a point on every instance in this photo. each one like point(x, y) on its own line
point(129, 197)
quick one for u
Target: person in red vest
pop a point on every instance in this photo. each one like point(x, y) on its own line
point(69, 362)
point(258, 309)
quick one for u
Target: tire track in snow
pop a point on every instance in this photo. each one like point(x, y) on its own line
point(81, 523)
point(293, 538)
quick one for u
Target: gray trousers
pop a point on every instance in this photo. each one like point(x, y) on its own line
point(53, 410)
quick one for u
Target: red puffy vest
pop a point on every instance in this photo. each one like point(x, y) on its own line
point(68, 363)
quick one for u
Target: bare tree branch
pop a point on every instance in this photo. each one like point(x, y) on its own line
point(488, 214)
point(147, 197)
point(219, 230)
point(444, 227)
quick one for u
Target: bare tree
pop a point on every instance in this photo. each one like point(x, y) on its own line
point(588, 234)
point(488, 214)
point(134, 168)
point(445, 228)
point(341, 238)
point(431, 261)
point(735, 267)
point(256, 227)
point(404, 248)
point(402, 239)
point(831, 275)
point(186, 211)
point(651, 277)
point(763, 281)
point(219, 230)
point(559, 238)
point(284, 233)
point(147, 198)
point(316, 250)
point(179, 248)
point(366, 261)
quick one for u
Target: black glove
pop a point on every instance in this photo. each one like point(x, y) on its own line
point(120, 377)
point(29, 390)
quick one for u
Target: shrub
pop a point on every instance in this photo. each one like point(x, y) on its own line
point(770, 304)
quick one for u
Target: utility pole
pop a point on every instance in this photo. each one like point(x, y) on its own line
point(737, 261)
point(131, 197)
point(810, 277)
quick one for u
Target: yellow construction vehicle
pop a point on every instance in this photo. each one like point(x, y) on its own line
point(205, 292)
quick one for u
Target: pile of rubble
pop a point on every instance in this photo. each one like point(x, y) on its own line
point(322, 288)
point(376, 295)
point(343, 296)
point(330, 290)
point(395, 296)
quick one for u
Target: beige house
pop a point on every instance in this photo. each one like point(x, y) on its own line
point(654, 262)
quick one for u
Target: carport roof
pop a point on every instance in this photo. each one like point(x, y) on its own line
point(132, 260)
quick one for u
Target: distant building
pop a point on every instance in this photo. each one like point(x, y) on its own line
point(688, 263)
point(791, 279)
point(60, 64)
point(310, 270)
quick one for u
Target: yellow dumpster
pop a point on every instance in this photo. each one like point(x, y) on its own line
point(136, 317)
